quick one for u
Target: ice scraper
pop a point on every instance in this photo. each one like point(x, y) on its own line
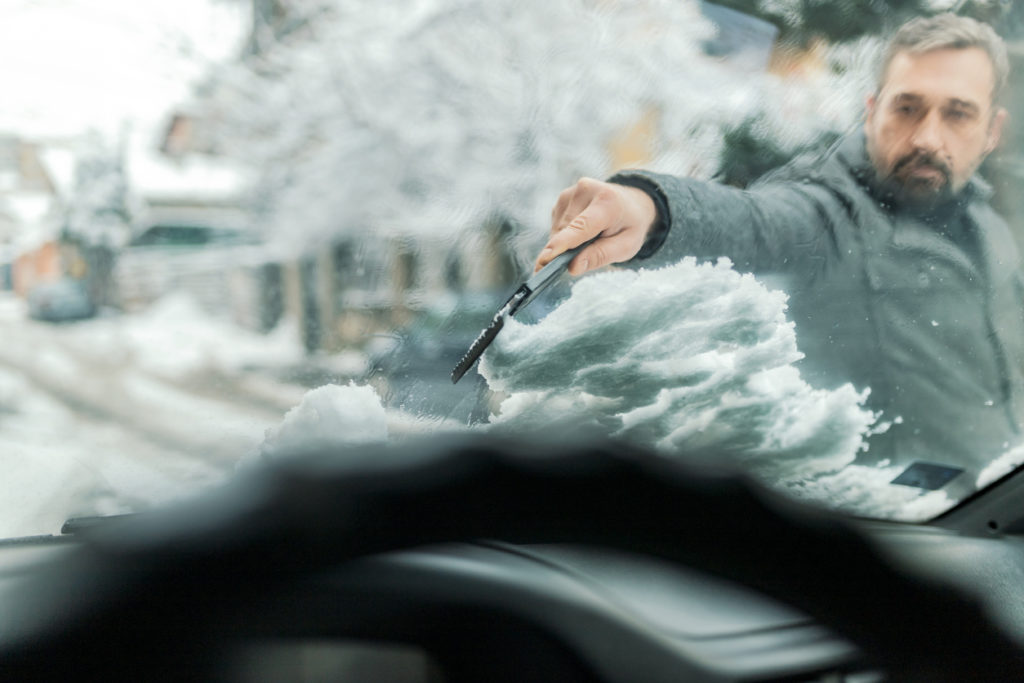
point(522, 296)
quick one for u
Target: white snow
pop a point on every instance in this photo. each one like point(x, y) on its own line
point(59, 464)
point(329, 417)
point(59, 162)
point(1003, 465)
point(195, 178)
point(123, 412)
point(34, 215)
point(867, 490)
point(692, 358)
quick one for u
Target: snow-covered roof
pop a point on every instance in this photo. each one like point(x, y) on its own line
point(59, 163)
point(194, 178)
point(34, 221)
point(30, 207)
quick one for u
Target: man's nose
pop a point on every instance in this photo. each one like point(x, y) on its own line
point(928, 134)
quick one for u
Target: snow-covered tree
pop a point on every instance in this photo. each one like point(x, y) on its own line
point(432, 115)
point(98, 213)
point(98, 208)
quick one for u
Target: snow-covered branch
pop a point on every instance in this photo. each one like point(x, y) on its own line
point(430, 118)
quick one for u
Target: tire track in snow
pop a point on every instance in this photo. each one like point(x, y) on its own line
point(217, 430)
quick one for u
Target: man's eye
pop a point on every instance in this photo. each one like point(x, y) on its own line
point(957, 115)
point(906, 110)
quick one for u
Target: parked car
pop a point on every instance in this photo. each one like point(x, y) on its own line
point(64, 300)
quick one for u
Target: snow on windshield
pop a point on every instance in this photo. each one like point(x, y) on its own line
point(696, 359)
point(691, 359)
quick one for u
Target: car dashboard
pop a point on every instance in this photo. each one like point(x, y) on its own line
point(379, 568)
point(496, 611)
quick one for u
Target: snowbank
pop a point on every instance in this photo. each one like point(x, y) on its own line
point(330, 416)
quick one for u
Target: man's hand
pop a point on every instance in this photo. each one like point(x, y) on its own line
point(621, 215)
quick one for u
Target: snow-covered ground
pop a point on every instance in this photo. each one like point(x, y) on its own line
point(120, 412)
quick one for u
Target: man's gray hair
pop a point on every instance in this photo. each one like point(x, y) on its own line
point(942, 31)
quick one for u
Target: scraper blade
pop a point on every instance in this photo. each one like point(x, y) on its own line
point(526, 293)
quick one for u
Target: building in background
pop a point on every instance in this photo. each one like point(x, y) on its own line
point(33, 177)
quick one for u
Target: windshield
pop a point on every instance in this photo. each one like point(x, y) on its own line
point(231, 229)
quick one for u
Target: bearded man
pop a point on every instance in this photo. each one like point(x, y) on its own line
point(901, 277)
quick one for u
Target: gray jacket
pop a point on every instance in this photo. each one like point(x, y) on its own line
point(926, 311)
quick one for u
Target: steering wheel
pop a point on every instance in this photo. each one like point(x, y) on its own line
point(131, 600)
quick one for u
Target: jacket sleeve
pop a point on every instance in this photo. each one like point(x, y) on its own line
point(773, 227)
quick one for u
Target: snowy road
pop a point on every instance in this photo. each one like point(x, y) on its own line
point(97, 418)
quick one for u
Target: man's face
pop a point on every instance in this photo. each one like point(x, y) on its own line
point(932, 123)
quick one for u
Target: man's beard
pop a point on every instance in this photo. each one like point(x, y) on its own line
point(917, 193)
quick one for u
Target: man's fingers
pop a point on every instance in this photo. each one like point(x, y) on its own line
point(571, 202)
point(602, 211)
point(581, 229)
point(562, 209)
point(603, 252)
point(618, 216)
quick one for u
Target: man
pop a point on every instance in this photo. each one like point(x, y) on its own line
point(901, 277)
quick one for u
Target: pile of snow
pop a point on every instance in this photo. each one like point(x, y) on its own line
point(868, 490)
point(329, 417)
point(692, 357)
point(695, 359)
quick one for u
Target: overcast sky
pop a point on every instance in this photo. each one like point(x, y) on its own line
point(71, 65)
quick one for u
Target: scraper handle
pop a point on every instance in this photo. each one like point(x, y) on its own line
point(549, 273)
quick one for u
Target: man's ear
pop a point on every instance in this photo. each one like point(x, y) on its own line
point(995, 128)
point(869, 107)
